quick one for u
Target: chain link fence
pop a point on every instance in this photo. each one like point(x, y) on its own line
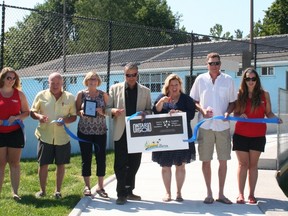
point(44, 42)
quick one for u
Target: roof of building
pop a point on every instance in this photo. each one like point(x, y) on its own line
point(269, 49)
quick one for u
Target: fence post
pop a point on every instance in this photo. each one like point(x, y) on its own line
point(191, 55)
point(64, 44)
point(278, 132)
point(2, 35)
point(109, 55)
point(255, 56)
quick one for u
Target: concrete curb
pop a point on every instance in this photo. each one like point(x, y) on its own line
point(83, 203)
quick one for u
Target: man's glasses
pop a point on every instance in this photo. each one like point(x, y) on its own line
point(250, 79)
point(10, 78)
point(131, 75)
point(214, 63)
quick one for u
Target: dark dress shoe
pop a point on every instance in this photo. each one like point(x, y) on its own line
point(121, 200)
point(133, 197)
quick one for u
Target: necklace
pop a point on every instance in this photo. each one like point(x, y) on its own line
point(175, 99)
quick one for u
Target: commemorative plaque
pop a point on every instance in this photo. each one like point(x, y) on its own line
point(161, 132)
point(90, 108)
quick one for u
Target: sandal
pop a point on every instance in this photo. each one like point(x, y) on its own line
point(16, 197)
point(40, 194)
point(224, 200)
point(166, 199)
point(240, 200)
point(102, 193)
point(87, 191)
point(57, 195)
point(208, 200)
point(252, 200)
point(179, 199)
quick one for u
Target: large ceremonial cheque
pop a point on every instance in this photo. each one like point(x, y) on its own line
point(161, 132)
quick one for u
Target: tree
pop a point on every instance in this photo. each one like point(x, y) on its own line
point(40, 37)
point(238, 34)
point(148, 13)
point(33, 41)
point(152, 13)
point(126, 15)
point(156, 13)
point(257, 28)
point(227, 35)
point(276, 19)
point(216, 31)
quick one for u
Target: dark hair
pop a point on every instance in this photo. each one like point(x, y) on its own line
point(213, 55)
point(131, 65)
point(243, 93)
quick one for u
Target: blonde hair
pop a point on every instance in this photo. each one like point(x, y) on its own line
point(3, 74)
point(167, 82)
point(92, 74)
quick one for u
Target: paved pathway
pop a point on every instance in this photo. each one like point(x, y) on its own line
point(271, 200)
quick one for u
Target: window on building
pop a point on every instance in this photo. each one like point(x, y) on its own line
point(73, 80)
point(153, 81)
point(267, 71)
point(45, 84)
point(156, 87)
point(239, 73)
point(103, 78)
point(144, 78)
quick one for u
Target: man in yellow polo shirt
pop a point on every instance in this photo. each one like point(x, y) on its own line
point(54, 143)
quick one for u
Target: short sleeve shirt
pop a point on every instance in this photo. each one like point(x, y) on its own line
point(216, 95)
point(45, 103)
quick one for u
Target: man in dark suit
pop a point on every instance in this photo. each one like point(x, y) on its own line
point(126, 98)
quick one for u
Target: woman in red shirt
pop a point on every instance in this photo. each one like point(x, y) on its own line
point(14, 107)
point(249, 138)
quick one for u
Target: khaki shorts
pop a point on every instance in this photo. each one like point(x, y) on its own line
point(206, 141)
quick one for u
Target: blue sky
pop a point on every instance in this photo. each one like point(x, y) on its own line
point(200, 15)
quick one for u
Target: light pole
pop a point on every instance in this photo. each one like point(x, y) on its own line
point(251, 48)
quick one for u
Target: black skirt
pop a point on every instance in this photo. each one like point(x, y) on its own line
point(175, 157)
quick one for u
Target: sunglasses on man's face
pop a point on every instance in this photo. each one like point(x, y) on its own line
point(214, 63)
point(131, 75)
point(247, 79)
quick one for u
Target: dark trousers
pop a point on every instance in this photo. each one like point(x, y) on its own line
point(99, 145)
point(125, 167)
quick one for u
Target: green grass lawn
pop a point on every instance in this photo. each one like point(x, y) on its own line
point(72, 189)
